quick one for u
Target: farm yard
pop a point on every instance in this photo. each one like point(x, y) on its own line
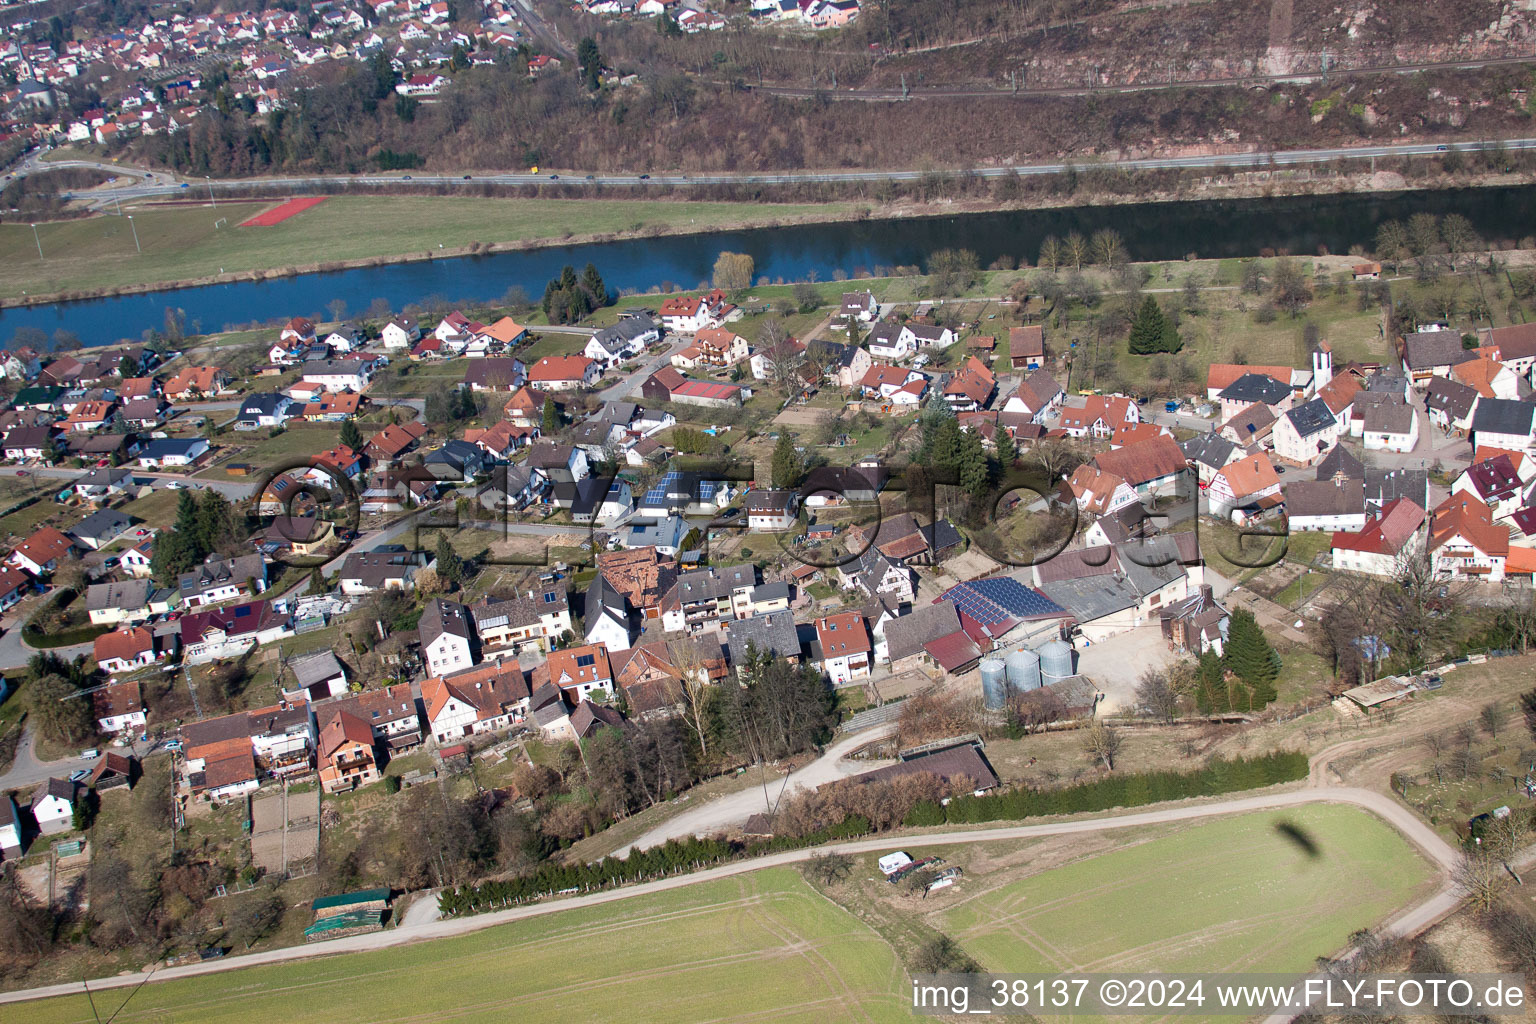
point(765, 945)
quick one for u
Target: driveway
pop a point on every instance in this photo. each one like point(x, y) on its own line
point(630, 383)
point(735, 808)
point(1116, 664)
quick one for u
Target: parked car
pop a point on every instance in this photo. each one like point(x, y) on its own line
point(79, 775)
point(91, 754)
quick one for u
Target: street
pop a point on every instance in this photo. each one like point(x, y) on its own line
point(163, 184)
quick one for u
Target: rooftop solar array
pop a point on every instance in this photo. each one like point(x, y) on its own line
point(657, 495)
point(996, 600)
point(707, 490)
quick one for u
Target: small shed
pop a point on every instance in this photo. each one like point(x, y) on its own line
point(1383, 693)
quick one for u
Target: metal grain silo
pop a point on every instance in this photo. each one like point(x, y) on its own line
point(1055, 661)
point(1023, 670)
point(994, 682)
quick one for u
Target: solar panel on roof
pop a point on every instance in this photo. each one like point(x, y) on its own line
point(707, 490)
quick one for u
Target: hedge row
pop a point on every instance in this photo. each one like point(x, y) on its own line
point(1128, 790)
point(671, 858)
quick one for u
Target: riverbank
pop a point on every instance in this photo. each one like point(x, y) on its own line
point(177, 242)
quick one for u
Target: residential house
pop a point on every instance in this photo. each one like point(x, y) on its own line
point(581, 671)
point(1325, 505)
point(1385, 543)
point(1209, 453)
point(390, 713)
point(344, 754)
point(971, 388)
point(119, 707)
point(860, 306)
point(1150, 467)
point(1488, 377)
point(1432, 353)
point(500, 373)
point(771, 510)
point(622, 341)
point(899, 641)
point(197, 382)
point(316, 676)
point(1096, 492)
point(400, 332)
point(14, 585)
point(689, 315)
point(130, 649)
point(53, 806)
point(843, 648)
point(231, 631)
point(534, 620)
point(512, 487)
point(170, 452)
point(879, 576)
point(41, 553)
point(891, 340)
point(455, 461)
point(1464, 542)
point(395, 440)
point(391, 567)
point(844, 365)
point(1251, 427)
point(223, 579)
point(11, 833)
point(144, 413)
point(766, 636)
point(563, 373)
point(606, 616)
point(1306, 433)
point(447, 637)
point(1391, 427)
point(28, 443)
point(100, 528)
point(114, 771)
point(648, 583)
point(717, 593)
point(1255, 389)
point(1505, 424)
point(488, 699)
point(719, 346)
point(930, 336)
point(1496, 483)
point(1451, 405)
point(1100, 417)
point(1196, 624)
point(108, 604)
point(350, 375)
point(1245, 489)
point(1514, 346)
point(263, 411)
point(560, 463)
point(1039, 397)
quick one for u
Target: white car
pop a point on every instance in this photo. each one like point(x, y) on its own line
point(90, 755)
point(175, 485)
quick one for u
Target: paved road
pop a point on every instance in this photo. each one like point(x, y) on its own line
point(630, 383)
point(735, 808)
point(162, 185)
point(14, 652)
point(27, 770)
point(1407, 922)
point(1245, 81)
point(232, 489)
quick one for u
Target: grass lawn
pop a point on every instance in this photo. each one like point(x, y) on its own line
point(181, 243)
point(762, 946)
point(1232, 895)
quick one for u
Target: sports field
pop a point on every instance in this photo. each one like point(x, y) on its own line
point(277, 214)
point(1234, 894)
point(181, 243)
point(761, 947)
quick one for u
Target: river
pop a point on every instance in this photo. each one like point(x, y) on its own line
point(1152, 231)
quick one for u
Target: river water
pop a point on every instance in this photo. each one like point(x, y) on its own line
point(1152, 231)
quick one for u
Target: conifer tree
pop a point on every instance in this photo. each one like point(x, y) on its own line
point(1152, 332)
point(351, 436)
point(1251, 658)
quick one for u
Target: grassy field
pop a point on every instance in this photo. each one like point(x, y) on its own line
point(762, 947)
point(181, 243)
point(1235, 894)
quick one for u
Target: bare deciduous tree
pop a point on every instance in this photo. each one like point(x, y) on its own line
point(1492, 717)
point(1103, 743)
point(1155, 695)
point(1480, 880)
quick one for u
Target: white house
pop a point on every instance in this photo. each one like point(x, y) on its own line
point(770, 510)
point(1391, 427)
point(893, 341)
point(1500, 423)
point(119, 707)
point(53, 805)
point(1381, 547)
point(1248, 483)
point(166, 452)
point(340, 374)
point(400, 332)
point(846, 653)
point(1306, 433)
point(447, 637)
